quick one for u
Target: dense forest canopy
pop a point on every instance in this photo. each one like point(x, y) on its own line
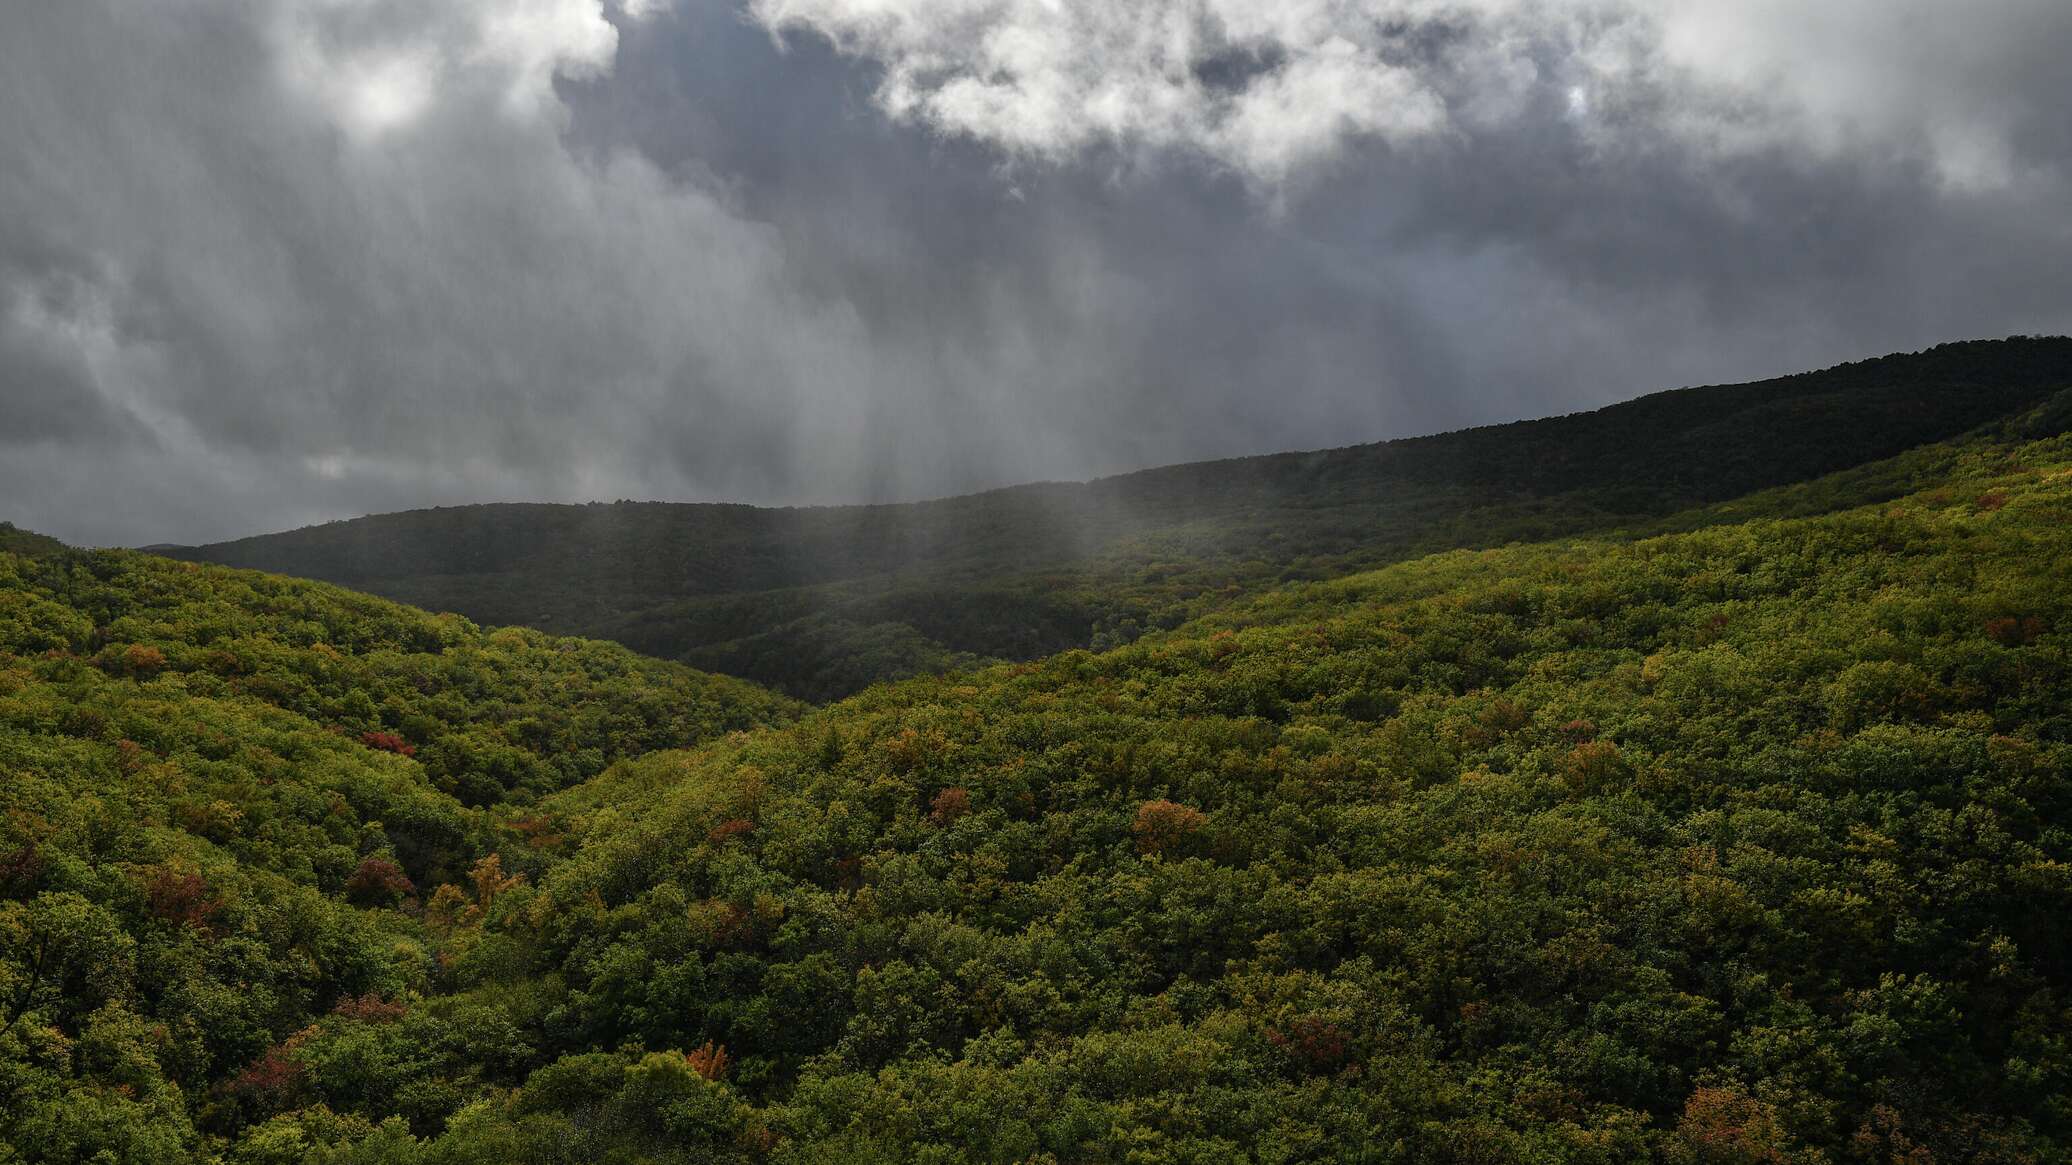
point(1741, 837)
point(823, 602)
point(16, 540)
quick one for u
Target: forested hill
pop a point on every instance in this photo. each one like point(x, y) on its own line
point(1741, 844)
point(823, 601)
point(15, 540)
point(491, 715)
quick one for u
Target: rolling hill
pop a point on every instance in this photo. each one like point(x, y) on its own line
point(821, 602)
point(1744, 842)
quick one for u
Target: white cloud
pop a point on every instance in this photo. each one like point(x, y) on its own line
point(1272, 89)
point(1264, 88)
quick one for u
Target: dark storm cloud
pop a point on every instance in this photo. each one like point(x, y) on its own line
point(263, 263)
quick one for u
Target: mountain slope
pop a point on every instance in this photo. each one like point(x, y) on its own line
point(1740, 844)
point(822, 602)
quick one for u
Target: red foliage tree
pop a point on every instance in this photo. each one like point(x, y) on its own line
point(388, 742)
point(277, 1079)
point(377, 881)
point(181, 898)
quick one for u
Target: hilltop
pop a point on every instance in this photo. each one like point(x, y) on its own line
point(15, 540)
point(822, 602)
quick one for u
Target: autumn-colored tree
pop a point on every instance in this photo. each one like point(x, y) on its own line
point(709, 1060)
point(730, 829)
point(449, 907)
point(276, 1080)
point(142, 661)
point(378, 881)
point(1161, 826)
point(21, 866)
point(2009, 631)
point(179, 896)
point(1594, 765)
point(490, 880)
point(1315, 1045)
point(949, 805)
point(369, 1008)
point(1726, 1126)
point(541, 831)
point(388, 742)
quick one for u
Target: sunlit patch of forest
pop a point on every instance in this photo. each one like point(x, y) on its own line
point(1742, 837)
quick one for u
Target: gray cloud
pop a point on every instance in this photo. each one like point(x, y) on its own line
point(264, 262)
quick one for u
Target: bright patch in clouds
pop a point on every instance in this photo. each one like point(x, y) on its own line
point(1270, 89)
point(378, 66)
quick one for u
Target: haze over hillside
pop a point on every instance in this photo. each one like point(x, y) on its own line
point(821, 602)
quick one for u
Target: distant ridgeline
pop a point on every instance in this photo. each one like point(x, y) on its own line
point(821, 602)
point(1746, 842)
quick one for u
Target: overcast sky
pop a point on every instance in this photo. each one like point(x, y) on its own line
point(269, 262)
